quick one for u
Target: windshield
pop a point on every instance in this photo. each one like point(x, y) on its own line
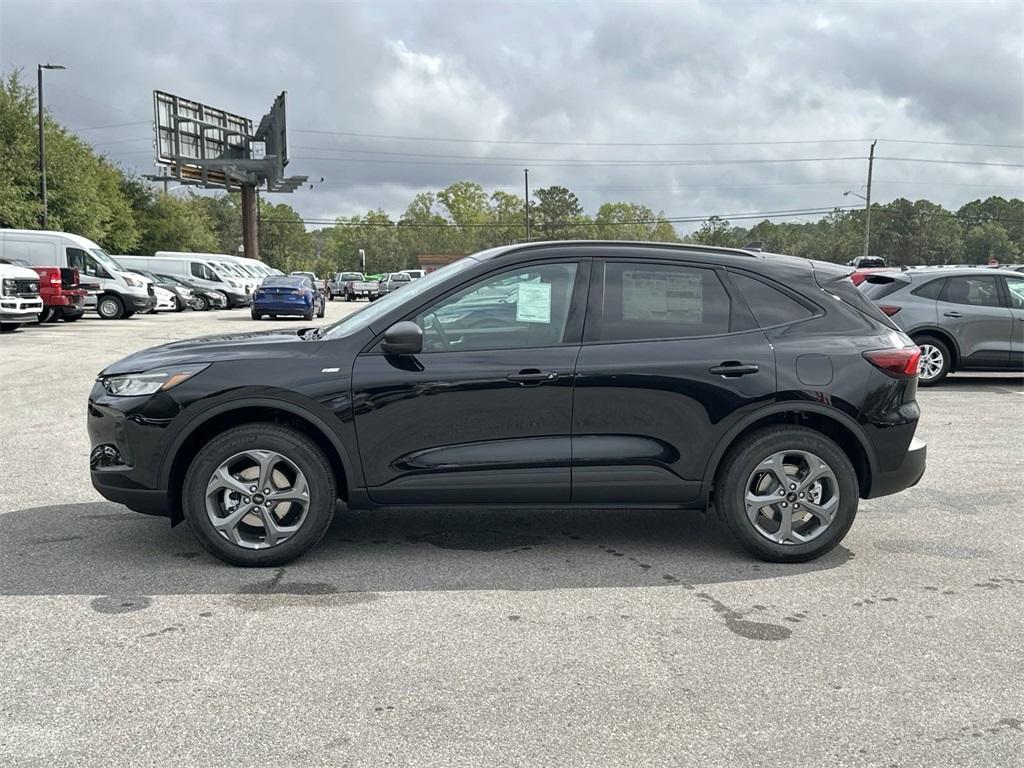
point(390, 301)
point(106, 260)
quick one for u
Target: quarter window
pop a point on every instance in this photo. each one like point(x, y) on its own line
point(527, 307)
point(769, 305)
point(977, 291)
point(662, 301)
point(1016, 289)
point(930, 290)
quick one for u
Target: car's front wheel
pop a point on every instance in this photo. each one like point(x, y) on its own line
point(788, 494)
point(110, 307)
point(259, 495)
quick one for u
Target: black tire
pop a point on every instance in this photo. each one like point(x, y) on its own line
point(739, 465)
point(322, 311)
point(299, 449)
point(178, 306)
point(256, 315)
point(227, 300)
point(330, 296)
point(349, 297)
point(70, 317)
point(308, 315)
point(110, 307)
point(202, 303)
point(934, 345)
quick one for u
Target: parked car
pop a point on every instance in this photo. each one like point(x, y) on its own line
point(291, 295)
point(968, 319)
point(766, 386)
point(863, 262)
point(182, 297)
point(392, 282)
point(203, 299)
point(363, 287)
point(60, 290)
point(19, 297)
point(119, 294)
point(340, 282)
point(166, 301)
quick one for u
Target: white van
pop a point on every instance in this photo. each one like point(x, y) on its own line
point(254, 267)
point(120, 295)
point(199, 269)
point(19, 297)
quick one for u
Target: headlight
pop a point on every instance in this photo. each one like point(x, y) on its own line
point(150, 382)
point(232, 283)
point(131, 282)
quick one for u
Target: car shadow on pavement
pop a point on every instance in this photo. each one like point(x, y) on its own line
point(992, 382)
point(103, 549)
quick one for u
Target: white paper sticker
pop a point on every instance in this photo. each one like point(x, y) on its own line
point(534, 303)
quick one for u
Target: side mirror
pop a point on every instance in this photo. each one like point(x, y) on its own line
point(404, 338)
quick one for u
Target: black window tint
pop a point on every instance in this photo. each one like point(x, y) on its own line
point(879, 288)
point(769, 305)
point(977, 291)
point(1015, 287)
point(662, 301)
point(197, 270)
point(931, 289)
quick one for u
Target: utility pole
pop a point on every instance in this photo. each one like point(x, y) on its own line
point(250, 238)
point(42, 140)
point(526, 199)
point(867, 201)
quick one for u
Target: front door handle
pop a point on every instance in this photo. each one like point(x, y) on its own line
point(731, 368)
point(952, 314)
point(532, 377)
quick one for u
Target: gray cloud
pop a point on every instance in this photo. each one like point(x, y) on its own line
point(561, 72)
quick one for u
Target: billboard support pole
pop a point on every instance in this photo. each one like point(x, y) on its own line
point(250, 237)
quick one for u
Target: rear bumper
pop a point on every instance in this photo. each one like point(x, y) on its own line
point(282, 307)
point(907, 474)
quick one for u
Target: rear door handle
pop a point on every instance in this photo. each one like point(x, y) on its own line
point(952, 314)
point(731, 368)
point(532, 377)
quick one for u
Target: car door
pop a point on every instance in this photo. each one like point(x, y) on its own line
point(970, 307)
point(483, 413)
point(1015, 299)
point(669, 362)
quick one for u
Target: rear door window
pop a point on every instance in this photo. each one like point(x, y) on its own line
point(769, 305)
point(973, 290)
point(649, 301)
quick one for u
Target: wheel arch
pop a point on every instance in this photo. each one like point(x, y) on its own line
point(224, 416)
point(842, 429)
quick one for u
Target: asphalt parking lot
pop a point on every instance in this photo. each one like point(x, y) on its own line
point(478, 637)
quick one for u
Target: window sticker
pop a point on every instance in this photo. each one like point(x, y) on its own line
point(675, 296)
point(534, 303)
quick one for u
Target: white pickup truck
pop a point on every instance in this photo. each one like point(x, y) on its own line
point(19, 297)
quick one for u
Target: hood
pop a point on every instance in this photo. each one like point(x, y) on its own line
point(17, 272)
point(211, 349)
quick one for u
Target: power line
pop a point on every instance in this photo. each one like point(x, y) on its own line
point(483, 162)
point(533, 142)
point(114, 125)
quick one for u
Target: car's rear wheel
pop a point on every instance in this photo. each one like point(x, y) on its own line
point(110, 307)
point(788, 494)
point(935, 360)
point(256, 315)
point(259, 495)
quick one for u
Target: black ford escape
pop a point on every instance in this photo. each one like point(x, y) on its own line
point(584, 373)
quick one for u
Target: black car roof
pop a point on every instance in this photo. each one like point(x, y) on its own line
point(683, 248)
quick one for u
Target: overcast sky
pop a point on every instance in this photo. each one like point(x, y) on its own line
point(597, 73)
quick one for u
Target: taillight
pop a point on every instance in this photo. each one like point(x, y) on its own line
point(900, 363)
point(889, 309)
point(299, 292)
point(55, 278)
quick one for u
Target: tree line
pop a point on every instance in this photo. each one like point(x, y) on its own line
point(91, 196)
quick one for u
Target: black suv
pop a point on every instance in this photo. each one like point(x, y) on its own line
point(585, 373)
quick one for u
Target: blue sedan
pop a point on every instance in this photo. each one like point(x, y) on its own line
point(287, 295)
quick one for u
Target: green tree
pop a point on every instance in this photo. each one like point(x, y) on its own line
point(988, 241)
point(557, 213)
point(170, 224)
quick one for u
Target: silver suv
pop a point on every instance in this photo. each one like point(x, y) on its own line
point(968, 319)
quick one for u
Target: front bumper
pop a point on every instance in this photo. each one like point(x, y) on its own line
point(906, 475)
point(140, 303)
point(15, 310)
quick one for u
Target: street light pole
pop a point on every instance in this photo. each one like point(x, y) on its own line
point(42, 140)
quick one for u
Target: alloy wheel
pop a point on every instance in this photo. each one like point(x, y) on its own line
point(791, 497)
point(257, 499)
point(931, 362)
